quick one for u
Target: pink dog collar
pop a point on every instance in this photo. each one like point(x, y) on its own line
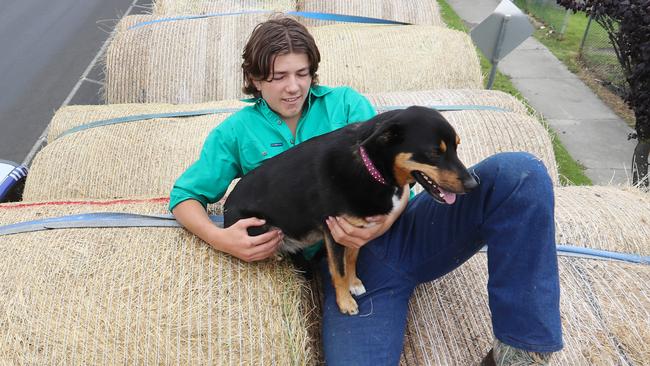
point(370, 166)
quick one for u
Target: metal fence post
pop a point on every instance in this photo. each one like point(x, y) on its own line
point(584, 37)
point(565, 22)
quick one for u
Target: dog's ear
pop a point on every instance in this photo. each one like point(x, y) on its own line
point(386, 132)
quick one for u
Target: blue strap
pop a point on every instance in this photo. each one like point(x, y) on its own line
point(142, 117)
point(120, 219)
point(97, 220)
point(448, 108)
point(597, 253)
point(582, 252)
point(304, 14)
point(345, 18)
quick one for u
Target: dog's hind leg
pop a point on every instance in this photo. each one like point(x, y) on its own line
point(356, 286)
point(336, 261)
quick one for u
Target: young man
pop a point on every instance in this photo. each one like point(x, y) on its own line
point(511, 211)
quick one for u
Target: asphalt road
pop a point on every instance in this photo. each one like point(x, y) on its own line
point(45, 47)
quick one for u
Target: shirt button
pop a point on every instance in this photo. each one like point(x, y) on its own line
point(279, 123)
point(293, 141)
point(264, 153)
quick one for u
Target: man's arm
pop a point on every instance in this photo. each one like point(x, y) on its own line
point(233, 240)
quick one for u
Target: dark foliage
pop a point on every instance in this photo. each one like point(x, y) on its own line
point(627, 23)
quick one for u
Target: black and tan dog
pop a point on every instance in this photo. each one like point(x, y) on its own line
point(357, 171)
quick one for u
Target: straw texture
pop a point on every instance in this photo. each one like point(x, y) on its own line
point(198, 60)
point(605, 308)
point(424, 12)
point(447, 97)
point(175, 7)
point(373, 58)
point(72, 116)
point(188, 61)
point(485, 133)
point(142, 296)
point(609, 218)
point(135, 159)
point(76, 115)
point(144, 158)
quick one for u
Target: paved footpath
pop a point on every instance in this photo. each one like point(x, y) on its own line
point(592, 133)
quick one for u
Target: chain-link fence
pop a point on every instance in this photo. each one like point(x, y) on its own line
point(596, 52)
point(547, 11)
point(598, 55)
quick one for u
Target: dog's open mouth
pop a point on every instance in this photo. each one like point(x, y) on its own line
point(434, 189)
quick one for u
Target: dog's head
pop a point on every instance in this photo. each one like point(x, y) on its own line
point(420, 145)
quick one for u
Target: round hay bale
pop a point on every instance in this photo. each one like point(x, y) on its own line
point(175, 7)
point(608, 218)
point(145, 158)
point(199, 60)
point(447, 97)
point(185, 61)
point(485, 133)
point(142, 296)
point(137, 159)
point(423, 12)
point(605, 308)
point(373, 58)
point(73, 116)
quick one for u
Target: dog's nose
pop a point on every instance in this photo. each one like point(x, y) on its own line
point(469, 183)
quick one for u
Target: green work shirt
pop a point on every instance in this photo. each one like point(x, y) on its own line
point(256, 133)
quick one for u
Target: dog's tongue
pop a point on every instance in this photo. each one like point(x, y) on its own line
point(449, 197)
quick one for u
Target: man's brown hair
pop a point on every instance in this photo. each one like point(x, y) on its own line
point(272, 38)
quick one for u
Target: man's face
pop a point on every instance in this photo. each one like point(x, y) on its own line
point(288, 87)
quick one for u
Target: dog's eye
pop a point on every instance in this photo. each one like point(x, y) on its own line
point(433, 155)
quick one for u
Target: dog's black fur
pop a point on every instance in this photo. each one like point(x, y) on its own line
point(325, 176)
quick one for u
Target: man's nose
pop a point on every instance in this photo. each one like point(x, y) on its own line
point(292, 84)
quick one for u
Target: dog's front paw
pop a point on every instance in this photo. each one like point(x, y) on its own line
point(357, 288)
point(348, 306)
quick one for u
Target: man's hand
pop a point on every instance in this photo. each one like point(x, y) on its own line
point(355, 237)
point(235, 241)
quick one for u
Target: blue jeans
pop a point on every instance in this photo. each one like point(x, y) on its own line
point(511, 211)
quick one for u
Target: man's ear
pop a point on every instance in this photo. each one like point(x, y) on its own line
point(256, 84)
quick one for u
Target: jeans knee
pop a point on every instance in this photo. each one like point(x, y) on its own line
point(516, 170)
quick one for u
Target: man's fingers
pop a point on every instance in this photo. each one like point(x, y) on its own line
point(340, 236)
point(266, 237)
point(348, 228)
point(251, 221)
point(265, 250)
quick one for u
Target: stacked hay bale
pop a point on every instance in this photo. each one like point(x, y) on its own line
point(605, 310)
point(435, 58)
point(177, 7)
point(424, 12)
point(604, 304)
point(609, 218)
point(142, 296)
point(185, 61)
point(198, 60)
point(139, 159)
